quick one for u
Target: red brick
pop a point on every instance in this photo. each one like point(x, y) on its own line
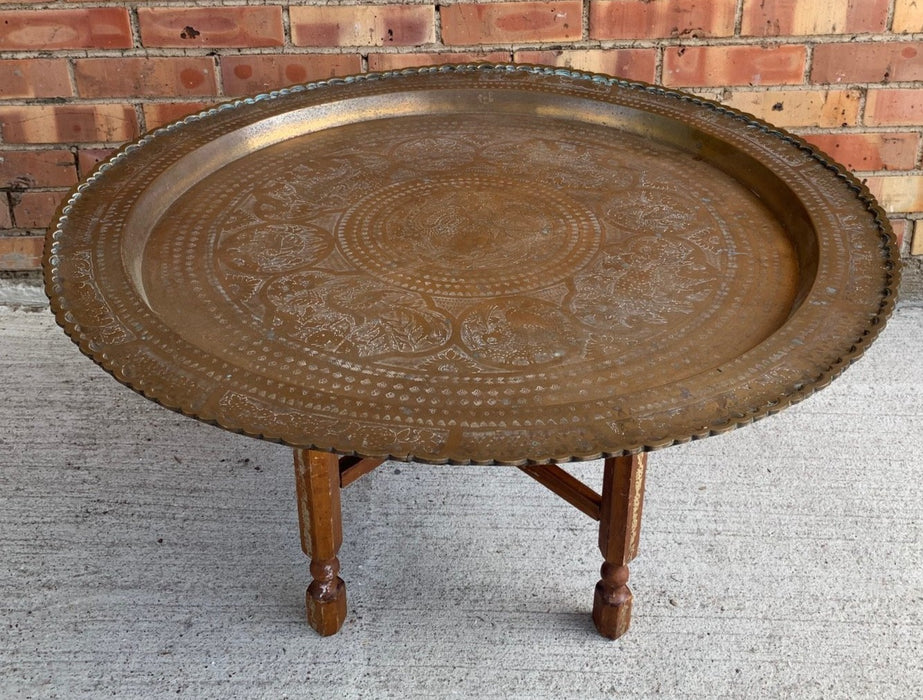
point(21, 253)
point(251, 74)
point(916, 243)
point(802, 17)
point(137, 77)
point(397, 61)
point(43, 30)
point(35, 209)
point(158, 114)
point(733, 65)
point(856, 62)
point(897, 193)
point(651, 19)
point(895, 106)
point(869, 151)
point(187, 27)
point(825, 108)
point(68, 123)
point(632, 64)
point(55, 168)
point(88, 158)
point(506, 22)
point(363, 25)
point(34, 77)
point(902, 230)
point(908, 16)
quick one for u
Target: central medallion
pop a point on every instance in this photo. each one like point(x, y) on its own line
point(477, 236)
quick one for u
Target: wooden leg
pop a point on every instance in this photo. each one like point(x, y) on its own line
point(619, 527)
point(317, 484)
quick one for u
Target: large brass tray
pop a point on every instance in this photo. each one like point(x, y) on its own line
point(472, 264)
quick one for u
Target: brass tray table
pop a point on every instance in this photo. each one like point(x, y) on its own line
point(476, 264)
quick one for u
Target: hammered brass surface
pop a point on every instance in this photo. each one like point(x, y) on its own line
point(473, 263)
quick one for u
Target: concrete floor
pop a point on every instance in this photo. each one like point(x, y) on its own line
point(143, 554)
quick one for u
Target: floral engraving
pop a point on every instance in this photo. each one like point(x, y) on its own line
point(519, 331)
point(643, 282)
point(100, 321)
point(271, 248)
point(348, 314)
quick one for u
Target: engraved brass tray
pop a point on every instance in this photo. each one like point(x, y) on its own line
point(488, 264)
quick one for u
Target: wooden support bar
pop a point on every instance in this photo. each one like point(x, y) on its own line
point(351, 468)
point(567, 487)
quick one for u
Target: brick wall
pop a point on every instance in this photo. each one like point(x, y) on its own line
point(78, 78)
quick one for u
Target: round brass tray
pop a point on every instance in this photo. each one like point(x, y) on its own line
point(490, 264)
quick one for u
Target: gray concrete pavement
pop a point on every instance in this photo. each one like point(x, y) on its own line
point(143, 554)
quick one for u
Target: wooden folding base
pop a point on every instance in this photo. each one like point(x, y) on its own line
point(319, 476)
point(618, 510)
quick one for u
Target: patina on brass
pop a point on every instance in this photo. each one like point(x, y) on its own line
point(488, 264)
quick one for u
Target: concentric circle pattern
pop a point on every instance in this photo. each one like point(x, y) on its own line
point(479, 236)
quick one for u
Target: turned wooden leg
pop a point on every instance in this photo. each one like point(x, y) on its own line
point(317, 484)
point(619, 527)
